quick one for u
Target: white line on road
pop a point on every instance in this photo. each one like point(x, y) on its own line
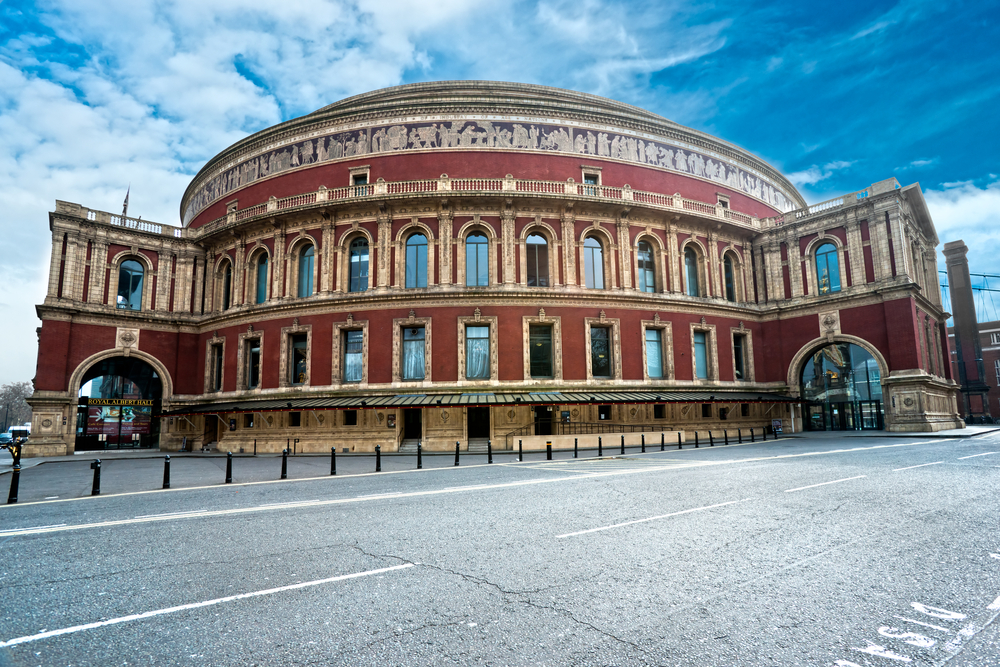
point(995, 605)
point(962, 458)
point(168, 514)
point(919, 466)
point(813, 486)
point(652, 518)
point(21, 530)
point(195, 605)
point(926, 625)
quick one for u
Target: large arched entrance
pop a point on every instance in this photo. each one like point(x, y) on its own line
point(841, 389)
point(117, 400)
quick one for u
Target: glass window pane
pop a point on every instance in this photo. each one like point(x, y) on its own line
point(700, 356)
point(647, 280)
point(227, 286)
point(540, 353)
point(600, 351)
point(827, 268)
point(130, 285)
point(413, 353)
point(730, 283)
point(359, 266)
point(593, 263)
point(353, 360)
point(477, 353)
point(262, 279)
point(477, 266)
point(691, 272)
point(416, 261)
point(306, 272)
point(738, 361)
point(537, 250)
point(253, 364)
point(654, 354)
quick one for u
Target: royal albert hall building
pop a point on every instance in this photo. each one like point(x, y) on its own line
point(472, 261)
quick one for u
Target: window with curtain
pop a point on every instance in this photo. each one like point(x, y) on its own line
point(306, 263)
point(416, 261)
point(261, 296)
point(827, 268)
point(691, 272)
point(227, 286)
point(413, 353)
point(477, 262)
point(353, 359)
point(700, 355)
point(593, 263)
point(540, 351)
point(130, 275)
point(217, 362)
point(477, 353)
point(299, 344)
point(359, 265)
point(739, 350)
point(647, 270)
point(600, 352)
point(654, 354)
point(727, 270)
point(253, 363)
point(537, 250)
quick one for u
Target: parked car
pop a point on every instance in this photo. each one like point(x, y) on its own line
point(6, 438)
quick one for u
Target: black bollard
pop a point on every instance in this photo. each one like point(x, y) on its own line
point(284, 464)
point(696, 439)
point(166, 472)
point(420, 455)
point(255, 446)
point(333, 460)
point(679, 443)
point(751, 435)
point(725, 437)
point(623, 443)
point(456, 452)
point(763, 433)
point(643, 436)
point(96, 488)
point(520, 452)
point(663, 441)
point(548, 451)
point(739, 434)
point(489, 451)
point(378, 458)
point(15, 481)
point(229, 467)
point(576, 449)
point(711, 441)
point(600, 446)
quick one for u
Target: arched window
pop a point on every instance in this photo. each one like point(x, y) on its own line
point(647, 271)
point(261, 278)
point(691, 272)
point(227, 286)
point(827, 269)
point(537, 250)
point(593, 263)
point(416, 261)
point(359, 265)
point(729, 275)
point(130, 285)
point(306, 262)
point(477, 262)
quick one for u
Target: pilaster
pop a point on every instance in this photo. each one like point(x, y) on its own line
point(794, 265)
point(569, 246)
point(507, 241)
point(445, 217)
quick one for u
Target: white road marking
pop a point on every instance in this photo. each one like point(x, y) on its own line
point(911, 638)
point(995, 605)
point(919, 466)
point(997, 556)
point(937, 612)
point(652, 518)
point(195, 605)
point(967, 632)
point(21, 530)
point(813, 486)
point(926, 625)
point(881, 652)
point(962, 458)
point(170, 514)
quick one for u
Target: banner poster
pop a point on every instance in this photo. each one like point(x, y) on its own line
point(103, 419)
point(135, 420)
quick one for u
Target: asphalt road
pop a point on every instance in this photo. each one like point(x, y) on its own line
point(865, 551)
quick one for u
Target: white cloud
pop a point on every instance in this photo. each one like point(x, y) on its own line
point(971, 213)
point(815, 173)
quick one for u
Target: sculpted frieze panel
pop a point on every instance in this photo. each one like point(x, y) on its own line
point(483, 134)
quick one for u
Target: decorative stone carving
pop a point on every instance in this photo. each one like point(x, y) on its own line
point(829, 323)
point(444, 416)
point(127, 339)
point(478, 314)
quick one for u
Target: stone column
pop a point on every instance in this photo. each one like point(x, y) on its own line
point(794, 265)
point(71, 286)
point(240, 296)
point(384, 243)
point(775, 282)
point(712, 264)
point(445, 237)
point(625, 251)
point(507, 247)
point(569, 246)
point(326, 259)
point(673, 259)
point(856, 248)
point(279, 288)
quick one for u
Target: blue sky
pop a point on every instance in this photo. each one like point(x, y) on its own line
point(97, 94)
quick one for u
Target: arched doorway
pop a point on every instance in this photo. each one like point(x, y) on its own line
point(117, 400)
point(841, 389)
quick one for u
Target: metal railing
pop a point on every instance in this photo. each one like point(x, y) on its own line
point(582, 428)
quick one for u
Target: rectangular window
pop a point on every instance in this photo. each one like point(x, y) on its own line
point(659, 411)
point(217, 362)
point(744, 409)
point(540, 354)
point(350, 417)
point(253, 363)
point(477, 353)
point(706, 410)
point(295, 419)
point(300, 352)
point(996, 365)
point(413, 353)
point(590, 181)
point(600, 352)
point(654, 354)
point(739, 347)
point(700, 355)
point(353, 359)
point(603, 412)
point(995, 338)
point(248, 421)
point(723, 413)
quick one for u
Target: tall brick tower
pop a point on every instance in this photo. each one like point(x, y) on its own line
point(971, 375)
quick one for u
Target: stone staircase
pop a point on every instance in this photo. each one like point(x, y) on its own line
point(409, 446)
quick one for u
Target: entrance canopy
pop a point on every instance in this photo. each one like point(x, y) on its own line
point(435, 400)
